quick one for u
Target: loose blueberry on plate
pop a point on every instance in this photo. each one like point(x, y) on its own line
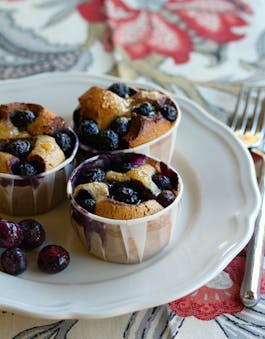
point(53, 259)
point(11, 234)
point(34, 234)
point(13, 261)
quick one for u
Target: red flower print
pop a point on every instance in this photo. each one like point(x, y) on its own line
point(212, 20)
point(141, 32)
point(151, 33)
point(169, 28)
point(92, 11)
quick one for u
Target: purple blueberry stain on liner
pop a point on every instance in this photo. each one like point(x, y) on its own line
point(90, 226)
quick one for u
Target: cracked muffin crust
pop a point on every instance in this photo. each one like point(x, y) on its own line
point(122, 117)
point(33, 139)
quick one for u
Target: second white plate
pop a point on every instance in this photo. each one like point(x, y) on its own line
point(220, 203)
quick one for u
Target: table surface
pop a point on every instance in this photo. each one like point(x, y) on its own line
point(200, 49)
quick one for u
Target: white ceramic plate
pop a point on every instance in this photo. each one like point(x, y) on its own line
point(219, 205)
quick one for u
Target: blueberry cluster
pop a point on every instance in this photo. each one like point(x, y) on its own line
point(112, 138)
point(104, 140)
point(129, 192)
point(166, 196)
point(28, 234)
point(20, 148)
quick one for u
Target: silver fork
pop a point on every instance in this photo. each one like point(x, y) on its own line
point(248, 123)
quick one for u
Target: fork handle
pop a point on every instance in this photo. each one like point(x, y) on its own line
point(250, 288)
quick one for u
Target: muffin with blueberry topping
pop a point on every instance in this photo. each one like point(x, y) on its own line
point(124, 205)
point(37, 151)
point(126, 118)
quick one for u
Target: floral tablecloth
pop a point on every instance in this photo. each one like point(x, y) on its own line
point(199, 48)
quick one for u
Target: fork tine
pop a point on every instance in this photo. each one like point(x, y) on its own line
point(234, 118)
point(257, 114)
point(248, 119)
point(261, 122)
point(245, 116)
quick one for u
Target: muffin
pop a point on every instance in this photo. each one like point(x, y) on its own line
point(37, 151)
point(124, 206)
point(126, 118)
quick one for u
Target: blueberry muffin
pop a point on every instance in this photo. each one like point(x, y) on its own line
point(33, 139)
point(37, 151)
point(120, 200)
point(122, 117)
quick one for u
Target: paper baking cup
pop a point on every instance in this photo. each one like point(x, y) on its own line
point(123, 241)
point(36, 194)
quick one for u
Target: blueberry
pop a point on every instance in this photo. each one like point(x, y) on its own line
point(120, 89)
point(11, 234)
point(165, 198)
point(107, 141)
point(122, 167)
point(87, 130)
point(126, 166)
point(53, 259)
point(13, 261)
point(95, 174)
point(145, 109)
point(34, 234)
point(64, 141)
point(162, 181)
point(19, 148)
point(85, 200)
point(128, 162)
point(123, 193)
point(169, 112)
point(23, 168)
point(21, 119)
point(120, 125)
